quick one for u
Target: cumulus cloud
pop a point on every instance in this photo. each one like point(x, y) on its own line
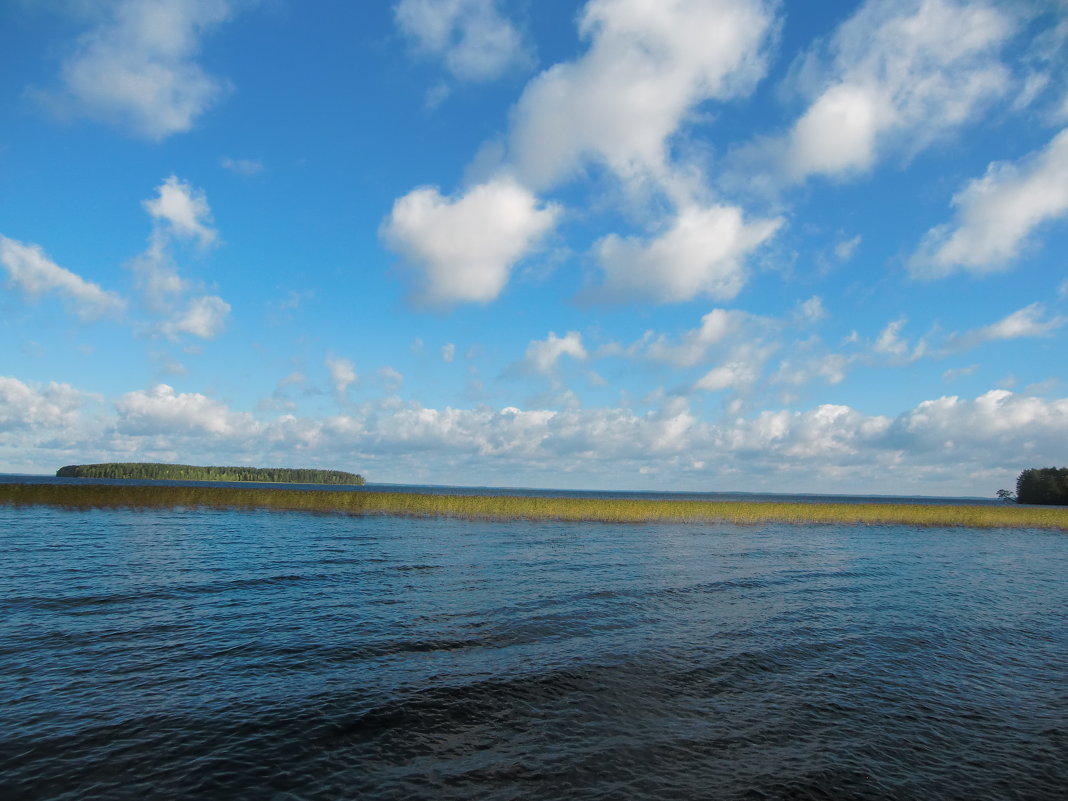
point(890, 340)
point(161, 411)
point(811, 310)
point(996, 214)
point(829, 434)
point(179, 212)
point(950, 444)
point(40, 407)
point(156, 277)
point(647, 65)
point(472, 38)
point(203, 317)
point(31, 271)
point(182, 211)
point(137, 69)
point(846, 249)
point(692, 347)
point(952, 428)
point(463, 249)
point(1025, 322)
point(895, 77)
point(543, 354)
point(342, 373)
point(730, 375)
point(619, 106)
point(702, 253)
point(837, 133)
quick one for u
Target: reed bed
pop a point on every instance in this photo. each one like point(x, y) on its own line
point(513, 507)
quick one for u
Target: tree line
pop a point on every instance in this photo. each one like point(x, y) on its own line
point(1040, 485)
point(186, 472)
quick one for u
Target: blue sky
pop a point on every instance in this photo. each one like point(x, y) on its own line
point(710, 245)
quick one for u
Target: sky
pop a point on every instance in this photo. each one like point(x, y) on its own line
point(694, 245)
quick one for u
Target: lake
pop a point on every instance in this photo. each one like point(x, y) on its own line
point(265, 655)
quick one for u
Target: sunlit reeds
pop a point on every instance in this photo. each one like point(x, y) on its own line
point(511, 507)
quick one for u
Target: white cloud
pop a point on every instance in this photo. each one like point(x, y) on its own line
point(998, 422)
point(161, 411)
point(691, 347)
point(701, 254)
point(1033, 86)
point(463, 249)
point(202, 317)
point(342, 373)
point(829, 435)
point(137, 68)
point(947, 445)
point(730, 375)
point(837, 133)
point(448, 352)
point(245, 167)
point(182, 210)
point(156, 278)
point(470, 36)
point(543, 354)
point(847, 248)
point(647, 65)
point(1025, 322)
point(831, 367)
point(997, 213)
point(619, 105)
point(890, 341)
point(179, 211)
point(894, 78)
point(30, 269)
point(34, 407)
point(812, 310)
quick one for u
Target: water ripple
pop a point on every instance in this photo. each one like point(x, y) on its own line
point(181, 654)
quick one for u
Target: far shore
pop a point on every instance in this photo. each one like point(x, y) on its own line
point(519, 507)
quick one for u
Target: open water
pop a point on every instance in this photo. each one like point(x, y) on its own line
point(265, 655)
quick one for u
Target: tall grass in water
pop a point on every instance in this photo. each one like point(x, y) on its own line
point(609, 510)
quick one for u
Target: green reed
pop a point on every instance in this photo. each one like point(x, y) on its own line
point(511, 507)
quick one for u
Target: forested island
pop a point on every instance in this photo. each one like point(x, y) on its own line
point(1043, 485)
point(186, 472)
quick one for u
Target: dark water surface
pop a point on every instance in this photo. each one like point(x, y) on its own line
point(266, 655)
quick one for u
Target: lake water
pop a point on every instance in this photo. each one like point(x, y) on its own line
point(265, 655)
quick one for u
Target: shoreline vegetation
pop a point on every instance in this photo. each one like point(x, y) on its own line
point(1042, 485)
point(152, 471)
point(511, 507)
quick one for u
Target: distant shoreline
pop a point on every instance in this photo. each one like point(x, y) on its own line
point(518, 507)
point(159, 471)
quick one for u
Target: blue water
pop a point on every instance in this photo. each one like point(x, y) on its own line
point(265, 655)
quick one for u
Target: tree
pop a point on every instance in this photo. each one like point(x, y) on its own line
point(1045, 485)
point(1006, 496)
point(184, 472)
